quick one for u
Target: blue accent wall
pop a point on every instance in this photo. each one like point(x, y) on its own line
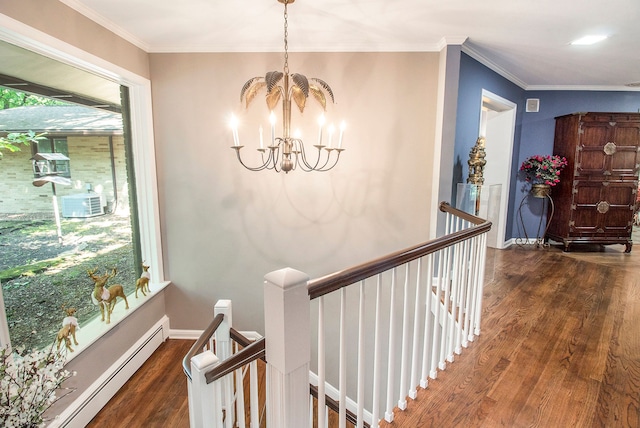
point(474, 77)
point(533, 133)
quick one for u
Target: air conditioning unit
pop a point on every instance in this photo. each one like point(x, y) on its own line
point(82, 205)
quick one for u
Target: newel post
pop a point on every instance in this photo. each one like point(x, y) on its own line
point(205, 403)
point(287, 330)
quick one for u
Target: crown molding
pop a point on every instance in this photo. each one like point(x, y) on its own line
point(493, 66)
point(368, 48)
point(580, 88)
point(104, 22)
point(451, 40)
point(514, 79)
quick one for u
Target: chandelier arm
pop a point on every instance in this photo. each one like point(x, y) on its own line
point(302, 159)
point(269, 160)
point(324, 167)
point(334, 163)
point(315, 167)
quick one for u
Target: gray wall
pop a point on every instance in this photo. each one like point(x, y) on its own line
point(224, 227)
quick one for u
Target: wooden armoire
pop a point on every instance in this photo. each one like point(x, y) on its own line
point(596, 197)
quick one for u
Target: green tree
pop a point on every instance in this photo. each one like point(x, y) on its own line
point(10, 98)
point(14, 139)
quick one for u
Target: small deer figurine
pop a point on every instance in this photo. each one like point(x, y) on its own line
point(143, 282)
point(68, 330)
point(106, 297)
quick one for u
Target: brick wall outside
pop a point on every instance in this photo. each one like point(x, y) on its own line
point(90, 164)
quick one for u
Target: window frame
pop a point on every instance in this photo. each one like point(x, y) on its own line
point(141, 121)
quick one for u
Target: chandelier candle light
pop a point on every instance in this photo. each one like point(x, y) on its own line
point(288, 152)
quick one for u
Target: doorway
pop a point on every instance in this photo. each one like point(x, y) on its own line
point(497, 125)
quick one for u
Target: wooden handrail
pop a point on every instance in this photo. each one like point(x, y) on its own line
point(202, 340)
point(335, 406)
point(332, 282)
point(445, 207)
point(239, 338)
point(239, 359)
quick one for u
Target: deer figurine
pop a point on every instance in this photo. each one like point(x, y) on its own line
point(106, 297)
point(68, 330)
point(143, 282)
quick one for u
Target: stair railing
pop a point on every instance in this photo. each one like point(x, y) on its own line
point(218, 366)
point(426, 308)
point(401, 318)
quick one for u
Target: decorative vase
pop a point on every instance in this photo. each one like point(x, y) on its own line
point(540, 190)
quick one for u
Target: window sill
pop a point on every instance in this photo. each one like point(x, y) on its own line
point(92, 332)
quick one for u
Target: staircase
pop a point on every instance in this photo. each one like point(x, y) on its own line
point(380, 331)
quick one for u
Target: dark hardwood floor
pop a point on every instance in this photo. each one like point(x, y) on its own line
point(155, 396)
point(559, 347)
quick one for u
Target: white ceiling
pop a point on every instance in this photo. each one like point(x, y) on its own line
point(527, 41)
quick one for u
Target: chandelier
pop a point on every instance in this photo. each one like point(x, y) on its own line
point(287, 153)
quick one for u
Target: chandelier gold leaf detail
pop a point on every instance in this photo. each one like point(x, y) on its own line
point(287, 153)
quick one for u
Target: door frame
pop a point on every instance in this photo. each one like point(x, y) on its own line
point(501, 174)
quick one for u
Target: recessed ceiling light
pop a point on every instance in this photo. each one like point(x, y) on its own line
point(589, 40)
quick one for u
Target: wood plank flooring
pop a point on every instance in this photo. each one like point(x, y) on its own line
point(155, 396)
point(559, 347)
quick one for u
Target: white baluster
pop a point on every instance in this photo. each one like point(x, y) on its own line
point(388, 414)
point(437, 328)
point(375, 408)
point(455, 282)
point(445, 308)
point(404, 365)
point(480, 285)
point(223, 351)
point(342, 381)
point(361, 353)
point(417, 316)
point(321, 364)
point(475, 289)
point(239, 401)
point(428, 324)
point(464, 293)
point(253, 398)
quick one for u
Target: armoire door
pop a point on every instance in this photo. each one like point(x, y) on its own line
point(608, 149)
point(602, 208)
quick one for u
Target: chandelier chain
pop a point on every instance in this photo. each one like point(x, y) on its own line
point(286, 42)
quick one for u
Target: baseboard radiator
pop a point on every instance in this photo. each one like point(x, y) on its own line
point(81, 411)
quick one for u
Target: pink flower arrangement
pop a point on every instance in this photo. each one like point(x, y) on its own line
point(543, 169)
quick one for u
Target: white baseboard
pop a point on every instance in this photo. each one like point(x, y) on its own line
point(185, 334)
point(90, 402)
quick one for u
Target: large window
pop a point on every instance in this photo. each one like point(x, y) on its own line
point(57, 257)
point(123, 235)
